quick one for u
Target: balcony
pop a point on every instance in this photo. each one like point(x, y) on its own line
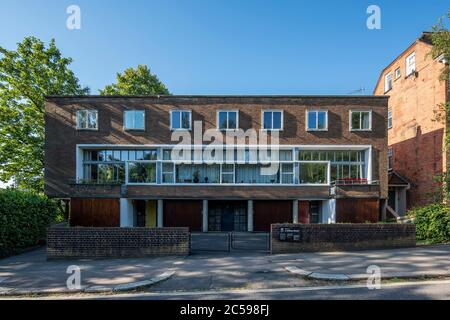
point(82, 188)
point(355, 188)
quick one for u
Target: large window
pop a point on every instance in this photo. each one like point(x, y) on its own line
point(313, 173)
point(360, 120)
point(180, 119)
point(87, 120)
point(317, 120)
point(286, 167)
point(134, 120)
point(227, 120)
point(345, 164)
point(410, 64)
point(142, 172)
point(272, 120)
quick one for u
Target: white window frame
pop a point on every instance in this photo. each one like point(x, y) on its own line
point(397, 73)
point(360, 120)
point(389, 125)
point(87, 111)
point(272, 129)
point(317, 120)
point(386, 82)
point(410, 70)
point(181, 111)
point(228, 124)
point(134, 120)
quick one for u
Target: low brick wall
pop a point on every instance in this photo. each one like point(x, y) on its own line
point(81, 242)
point(291, 238)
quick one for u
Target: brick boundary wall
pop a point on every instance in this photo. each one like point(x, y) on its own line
point(93, 242)
point(335, 237)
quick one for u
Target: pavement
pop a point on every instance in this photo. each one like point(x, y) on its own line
point(244, 270)
point(416, 290)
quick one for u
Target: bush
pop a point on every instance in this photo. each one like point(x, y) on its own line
point(24, 218)
point(432, 223)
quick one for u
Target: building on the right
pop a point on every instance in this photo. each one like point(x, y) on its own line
point(417, 154)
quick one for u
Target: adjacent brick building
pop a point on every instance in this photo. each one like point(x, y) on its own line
point(417, 151)
point(113, 158)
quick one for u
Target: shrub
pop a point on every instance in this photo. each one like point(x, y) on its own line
point(24, 218)
point(432, 223)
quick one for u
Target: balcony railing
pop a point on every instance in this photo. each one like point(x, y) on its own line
point(354, 181)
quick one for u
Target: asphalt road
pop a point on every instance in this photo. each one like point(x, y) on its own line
point(436, 289)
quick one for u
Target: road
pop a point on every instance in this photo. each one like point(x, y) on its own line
point(432, 289)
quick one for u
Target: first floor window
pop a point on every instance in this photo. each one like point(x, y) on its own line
point(317, 120)
point(227, 120)
point(142, 172)
point(313, 173)
point(360, 120)
point(273, 120)
point(180, 120)
point(134, 120)
point(87, 119)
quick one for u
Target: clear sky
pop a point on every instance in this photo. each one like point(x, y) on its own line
point(227, 46)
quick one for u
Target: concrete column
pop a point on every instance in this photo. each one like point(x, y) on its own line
point(205, 216)
point(159, 219)
point(126, 212)
point(250, 215)
point(329, 211)
point(295, 211)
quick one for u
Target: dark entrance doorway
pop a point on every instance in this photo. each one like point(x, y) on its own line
point(140, 213)
point(227, 216)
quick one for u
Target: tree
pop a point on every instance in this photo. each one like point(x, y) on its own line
point(139, 81)
point(27, 74)
point(441, 49)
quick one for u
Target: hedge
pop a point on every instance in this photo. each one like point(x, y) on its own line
point(432, 223)
point(24, 218)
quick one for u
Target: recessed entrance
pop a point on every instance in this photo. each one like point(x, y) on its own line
point(227, 216)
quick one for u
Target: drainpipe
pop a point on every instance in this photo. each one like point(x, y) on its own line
point(205, 216)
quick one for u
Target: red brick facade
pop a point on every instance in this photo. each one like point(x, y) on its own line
point(416, 138)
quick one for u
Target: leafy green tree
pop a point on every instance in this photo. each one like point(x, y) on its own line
point(27, 74)
point(139, 81)
point(441, 49)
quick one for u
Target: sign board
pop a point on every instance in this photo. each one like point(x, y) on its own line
point(290, 234)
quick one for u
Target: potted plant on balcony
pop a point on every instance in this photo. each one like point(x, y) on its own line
point(196, 176)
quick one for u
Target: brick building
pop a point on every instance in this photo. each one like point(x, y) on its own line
point(416, 139)
point(113, 157)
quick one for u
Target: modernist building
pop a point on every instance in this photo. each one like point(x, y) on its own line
point(417, 153)
point(113, 158)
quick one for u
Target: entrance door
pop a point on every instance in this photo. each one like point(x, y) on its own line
point(140, 213)
point(227, 221)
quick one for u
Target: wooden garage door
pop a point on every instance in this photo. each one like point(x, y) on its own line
point(92, 212)
point(267, 212)
point(357, 210)
point(183, 213)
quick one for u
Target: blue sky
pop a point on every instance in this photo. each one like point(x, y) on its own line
point(228, 46)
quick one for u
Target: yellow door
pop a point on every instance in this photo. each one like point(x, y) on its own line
point(150, 214)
